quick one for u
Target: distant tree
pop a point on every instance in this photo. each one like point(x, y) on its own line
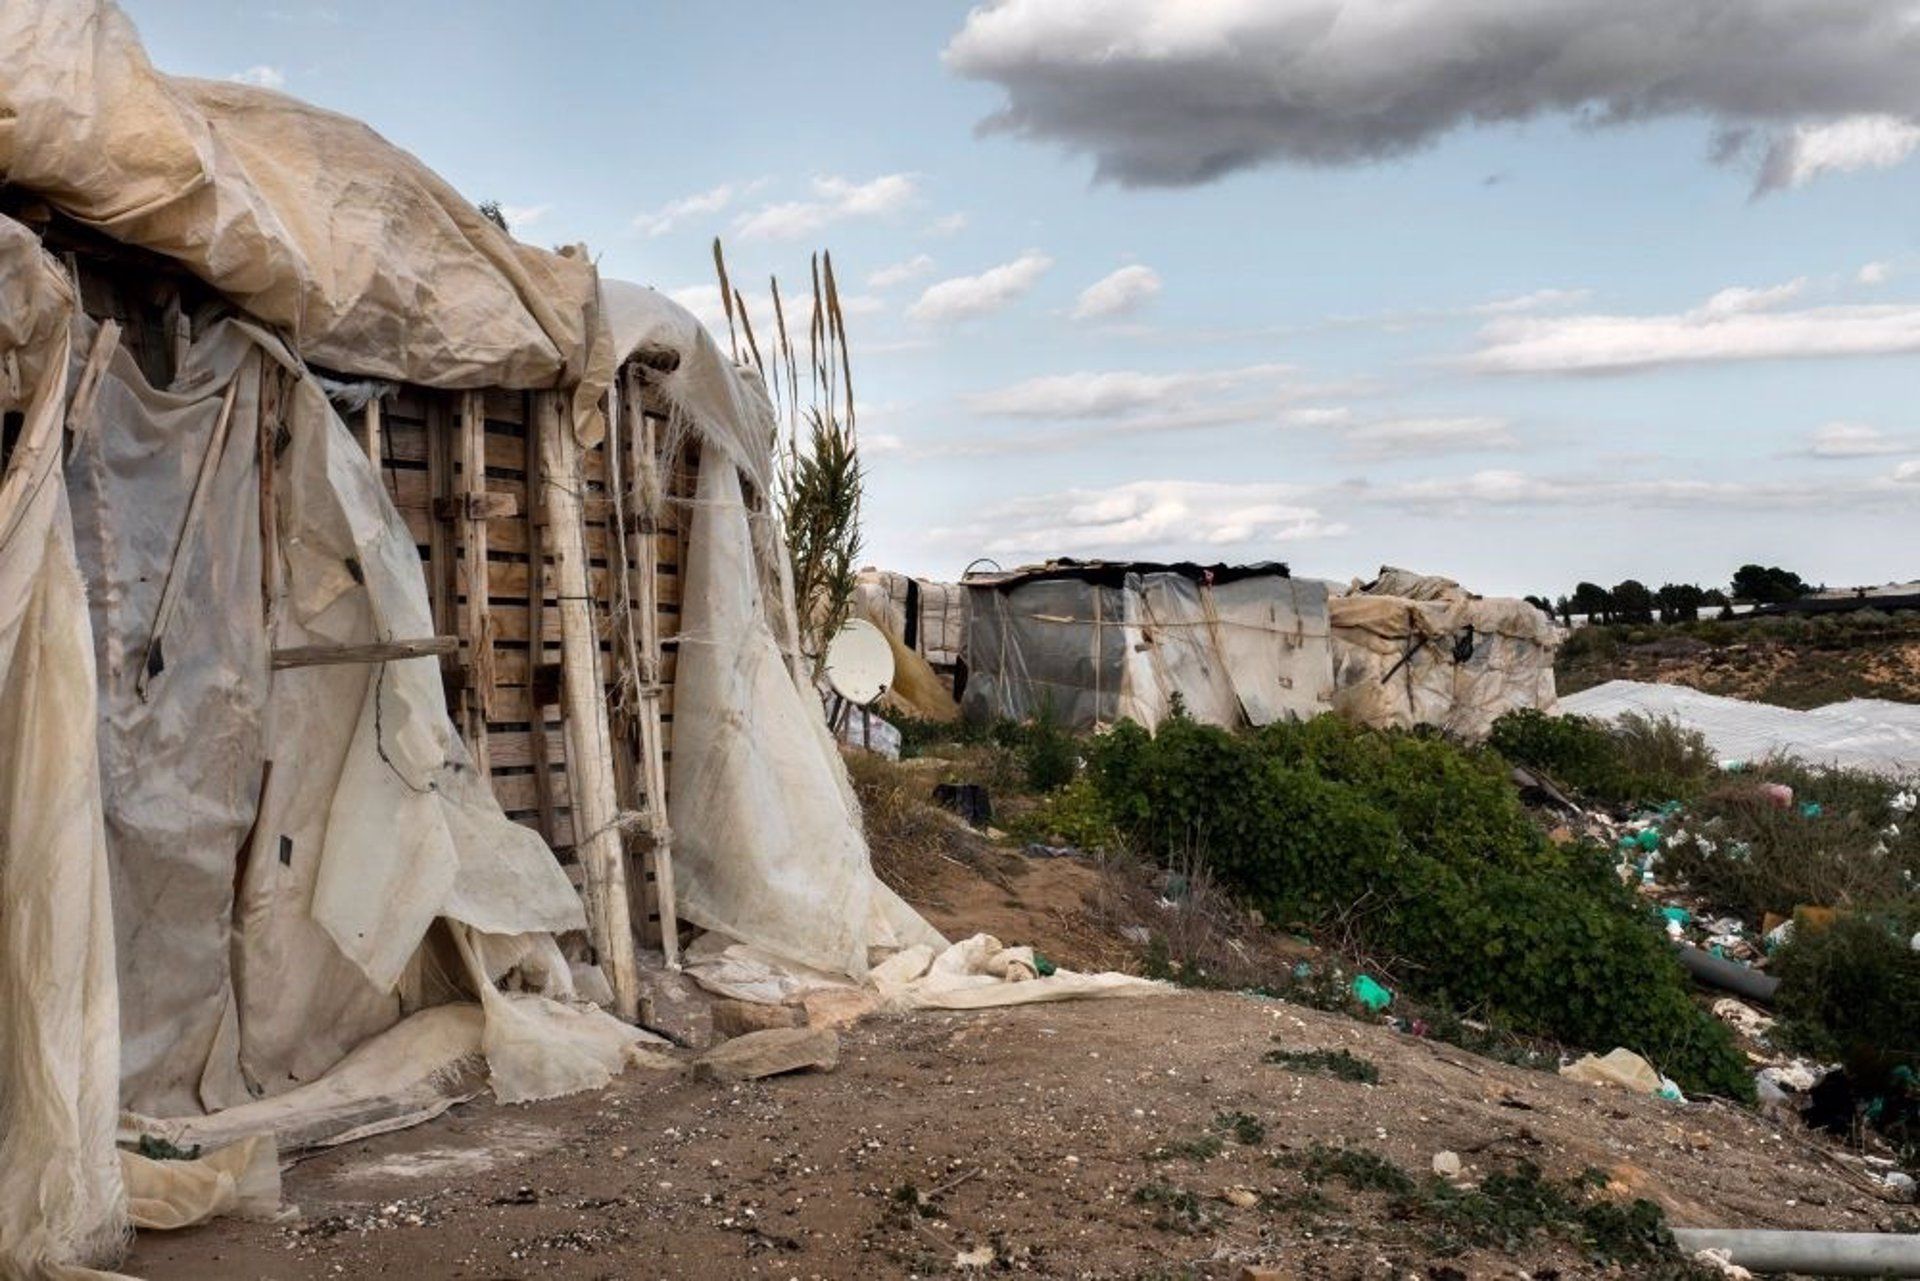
point(1632, 602)
point(1679, 602)
point(491, 211)
point(1767, 585)
point(1564, 608)
point(1592, 600)
point(1541, 603)
point(1714, 596)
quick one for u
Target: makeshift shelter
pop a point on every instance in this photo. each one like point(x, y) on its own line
point(925, 624)
point(376, 592)
point(1090, 643)
point(1410, 649)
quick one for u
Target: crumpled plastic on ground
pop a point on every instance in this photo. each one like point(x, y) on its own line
point(241, 1179)
point(976, 973)
point(1624, 1068)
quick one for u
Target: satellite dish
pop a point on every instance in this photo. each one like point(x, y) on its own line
point(859, 662)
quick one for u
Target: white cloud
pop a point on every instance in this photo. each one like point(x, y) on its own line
point(658, 222)
point(1159, 517)
point(1854, 440)
point(965, 297)
point(1874, 273)
point(1538, 300)
point(1805, 152)
point(519, 216)
point(1503, 488)
point(1120, 294)
point(1112, 393)
point(899, 273)
point(1734, 324)
point(881, 444)
point(1179, 92)
point(946, 225)
point(261, 75)
point(1392, 437)
point(834, 200)
point(1908, 472)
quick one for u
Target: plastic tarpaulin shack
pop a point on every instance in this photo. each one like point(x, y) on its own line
point(929, 618)
point(1093, 643)
point(1414, 650)
point(310, 221)
point(61, 1195)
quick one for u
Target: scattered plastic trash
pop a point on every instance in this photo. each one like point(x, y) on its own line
point(1677, 915)
point(1369, 992)
point(1446, 1164)
point(1648, 839)
point(1898, 1181)
point(1810, 809)
point(1743, 1018)
point(1904, 802)
point(1038, 849)
point(1138, 935)
point(1303, 969)
point(1779, 935)
point(1779, 793)
point(1622, 1067)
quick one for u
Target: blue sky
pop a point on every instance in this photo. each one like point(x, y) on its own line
point(1520, 353)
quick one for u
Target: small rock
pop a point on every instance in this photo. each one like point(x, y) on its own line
point(1245, 1198)
point(737, 1018)
point(1446, 1164)
point(770, 1053)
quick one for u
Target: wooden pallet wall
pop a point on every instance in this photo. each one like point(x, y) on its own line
point(504, 688)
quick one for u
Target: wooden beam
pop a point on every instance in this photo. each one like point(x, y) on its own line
point(596, 815)
point(370, 430)
point(661, 360)
point(106, 340)
point(371, 652)
point(154, 661)
point(477, 693)
point(539, 752)
point(271, 382)
point(644, 501)
point(440, 535)
point(476, 505)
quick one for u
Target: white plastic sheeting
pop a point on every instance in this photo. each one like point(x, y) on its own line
point(368, 260)
point(1093, 644)
point(928, 617)
point(1875, 735)
point(1395, 663)
point(61, 1196)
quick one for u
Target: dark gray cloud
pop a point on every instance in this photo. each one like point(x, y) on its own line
point(1179, 92)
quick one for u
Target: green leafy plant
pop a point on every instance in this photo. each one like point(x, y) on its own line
point(1636, 761)
point(1420, 853)
point(1343, 1064)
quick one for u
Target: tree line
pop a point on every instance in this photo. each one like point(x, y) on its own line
point(1633, 601)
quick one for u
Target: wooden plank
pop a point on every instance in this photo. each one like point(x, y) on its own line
point(370, 430)
point(522, 791)
point(642, 473)
point(437, 436)
point(539, 752)
point(374, 652)
point(590, 775)
point(477, 693)
point(268, 448)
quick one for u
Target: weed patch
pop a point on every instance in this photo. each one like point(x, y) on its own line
point(1336, 1063)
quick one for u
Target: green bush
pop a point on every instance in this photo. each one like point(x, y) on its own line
point(1744, 851)
point(1421, 851)
point(1851, 991)
point(1637, 760)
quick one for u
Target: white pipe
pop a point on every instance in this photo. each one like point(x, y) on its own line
point(1839, 1254)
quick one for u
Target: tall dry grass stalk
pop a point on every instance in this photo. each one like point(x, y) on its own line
point(820, 478)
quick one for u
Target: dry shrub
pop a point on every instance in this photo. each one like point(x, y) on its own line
point(906, 832)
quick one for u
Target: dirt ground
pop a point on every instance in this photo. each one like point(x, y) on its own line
point(1789, 675)
point(1026, 1131)
point(1063, 1140)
